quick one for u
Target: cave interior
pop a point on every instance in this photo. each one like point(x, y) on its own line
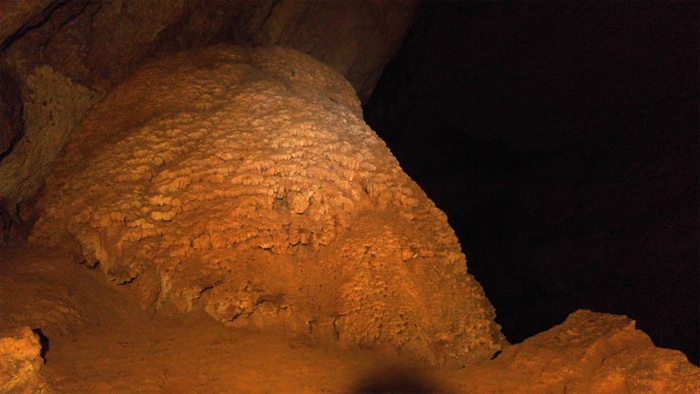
point(561, 142)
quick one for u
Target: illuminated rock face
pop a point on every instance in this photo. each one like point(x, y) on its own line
point(58, 58)
point(21, 362)
point(245, 182)
point(589, 353)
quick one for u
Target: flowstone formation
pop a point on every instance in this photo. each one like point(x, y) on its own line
point(58, 58)
point(245, 182)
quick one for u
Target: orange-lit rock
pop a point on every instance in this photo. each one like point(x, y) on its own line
point(244, 182)
point(589, 353)
point(67, 55)
point(21, 362)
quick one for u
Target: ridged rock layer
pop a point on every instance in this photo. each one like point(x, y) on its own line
point(245, 182)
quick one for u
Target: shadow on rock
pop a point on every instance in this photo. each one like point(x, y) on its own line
point(395, 379)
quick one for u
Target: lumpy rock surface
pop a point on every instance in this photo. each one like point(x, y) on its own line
point(244, 182)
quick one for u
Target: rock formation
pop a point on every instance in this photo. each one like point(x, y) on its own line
point(244, 184)
point(589, 353)
point(244, 181)
point(63, 56)
point(21, 362)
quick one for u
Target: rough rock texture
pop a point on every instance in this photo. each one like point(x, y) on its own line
point(68, 54)
point(37, 289)
point(244, 182)
point(50, 111)
point(10, 111)
point(100, 42)
point(21, 362)
point(589, 353)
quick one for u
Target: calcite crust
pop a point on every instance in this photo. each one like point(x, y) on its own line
point(245, 182)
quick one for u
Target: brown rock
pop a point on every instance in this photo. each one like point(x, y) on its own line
point(21, 362)
point(68, 55)
point(17, 17)
point(589, 353)
point(245, 183)
point(53, 108)
point(10, 111)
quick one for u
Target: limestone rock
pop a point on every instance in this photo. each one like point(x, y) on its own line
point(50, 112)
point(21, 362)
point(85, 48)
point(244, 182)
point(589, 353)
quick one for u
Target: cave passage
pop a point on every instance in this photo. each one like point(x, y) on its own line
point(561, 140)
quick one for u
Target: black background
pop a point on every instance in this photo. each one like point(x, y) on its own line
point(561, 139)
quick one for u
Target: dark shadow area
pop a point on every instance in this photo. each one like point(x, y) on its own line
point(395, 379)
point(44, 341)
point(6, 220)
point(561, 140)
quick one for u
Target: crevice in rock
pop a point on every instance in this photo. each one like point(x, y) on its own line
point(11, 116)
point(67, 19)
point(7, 220)
point(37, 21)
point(43, 341)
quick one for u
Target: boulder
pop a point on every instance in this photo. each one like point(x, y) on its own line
point(244, 182)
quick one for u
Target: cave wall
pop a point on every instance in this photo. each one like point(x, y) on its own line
point(57, 58)
point(382, 265)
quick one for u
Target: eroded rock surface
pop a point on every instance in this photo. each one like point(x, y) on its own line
point(244, 182)
point(589, 353)
point(67, 55)
point(21, 362)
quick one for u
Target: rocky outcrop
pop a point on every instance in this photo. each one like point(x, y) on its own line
point(589, 353)
point(21, 362)
point(66, 55)
point(244, 182)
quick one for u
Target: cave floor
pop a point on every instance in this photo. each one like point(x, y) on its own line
point(197, 356)
point(99, 342)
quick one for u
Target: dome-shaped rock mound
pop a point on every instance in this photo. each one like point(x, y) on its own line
point(245, 182)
